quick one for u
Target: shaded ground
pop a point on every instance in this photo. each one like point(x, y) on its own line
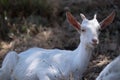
point(59, 34)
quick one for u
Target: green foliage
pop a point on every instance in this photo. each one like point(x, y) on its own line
point(4, 2)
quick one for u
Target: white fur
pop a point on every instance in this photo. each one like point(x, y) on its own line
point(8, 65)
point(111, 71)
point(55, 64)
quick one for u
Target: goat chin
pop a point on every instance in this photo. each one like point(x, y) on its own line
point(90, 45)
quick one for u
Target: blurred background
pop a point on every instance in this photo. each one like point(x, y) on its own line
point(42, 23)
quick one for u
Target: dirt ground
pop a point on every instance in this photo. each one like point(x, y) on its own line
point(61, 35)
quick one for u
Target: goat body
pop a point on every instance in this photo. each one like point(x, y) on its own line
point(8, 65)
point(42, 64)
point(111, 71)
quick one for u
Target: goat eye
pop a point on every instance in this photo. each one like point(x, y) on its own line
point(99, 30)
point(83, 30)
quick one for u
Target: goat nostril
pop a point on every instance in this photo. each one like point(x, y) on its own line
point(94, 40)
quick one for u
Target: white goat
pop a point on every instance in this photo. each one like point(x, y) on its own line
point(55, 64)
point(111, 71)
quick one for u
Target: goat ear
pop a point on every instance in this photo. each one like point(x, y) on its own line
point(107, 20)
point(72, 20)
